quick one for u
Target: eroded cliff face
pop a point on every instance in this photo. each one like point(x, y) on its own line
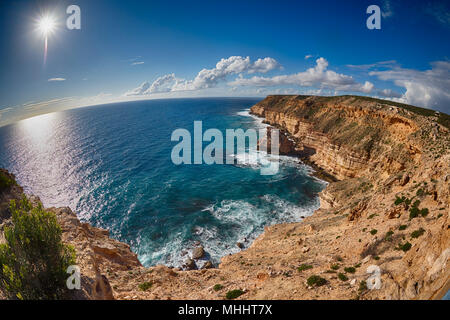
point(351, 137)
point(390, 210)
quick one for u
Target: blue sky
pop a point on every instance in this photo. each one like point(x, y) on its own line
point(128, 50)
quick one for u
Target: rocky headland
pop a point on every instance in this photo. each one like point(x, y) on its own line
point(387, 205)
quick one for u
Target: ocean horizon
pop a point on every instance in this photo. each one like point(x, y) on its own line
point(111, 165)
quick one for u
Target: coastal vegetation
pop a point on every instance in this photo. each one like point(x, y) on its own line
point(316, 281)
point(233, 294)
point(5, 181)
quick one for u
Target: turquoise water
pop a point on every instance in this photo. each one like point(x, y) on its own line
point(111, 164)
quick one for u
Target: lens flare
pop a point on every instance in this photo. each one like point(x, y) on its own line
point(46, 25)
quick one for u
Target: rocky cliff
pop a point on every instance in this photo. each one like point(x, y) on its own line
point(387, 212)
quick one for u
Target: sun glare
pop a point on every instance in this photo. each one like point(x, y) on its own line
point(46, 25)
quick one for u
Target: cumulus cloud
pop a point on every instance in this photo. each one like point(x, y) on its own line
point(429, 88)
point(264, 65)
point(318, 76)
point(207, 78)
point(56, 79)
point(388, 93)
point(139, 90)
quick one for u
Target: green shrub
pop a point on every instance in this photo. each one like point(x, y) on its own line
point(233, 294)
point(420, 192)
point(34, 260)
point(388, 236)
point(342, 277)
point(402, 227)
point(316, 281)
point(304, 267)
point(145, 286)
point(350, 269)
point(218, 287)
point(362, 286)
point(335, 267)
point(417, 233)
point(404, 247)
point(373, 232)
point(5, 181)
point(414, 212)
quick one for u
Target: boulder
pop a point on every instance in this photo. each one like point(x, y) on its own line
point(189, 264)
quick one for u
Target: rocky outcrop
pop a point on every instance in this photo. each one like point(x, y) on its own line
point(350, 137)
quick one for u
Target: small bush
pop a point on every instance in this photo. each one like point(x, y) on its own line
point(34, 259)
point(304, 267)
point(5, 181)
point(420, 192)
point(218, 287)
point(342, 277)
point(316, 281)
point(145, 286)
point(417, 233)
point(350, 269)
point(404, 247)
point(362, 286)
point(402, 227)
point(399, 200)
point(388, 236)
point(372, 216)
point(373, 232)
point(233, 294)
point(413, 213)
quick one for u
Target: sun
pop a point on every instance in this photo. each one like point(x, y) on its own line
point(46, 25)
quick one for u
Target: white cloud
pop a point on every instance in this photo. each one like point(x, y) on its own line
point(264, 65)
point(139, 90)
point(137, 63)
point(318, 76)
point(308, 56)
point(429, 88)
point(56, 79)
point(388, 93)
point(4, 110)
point(207, 78)
point(376, 65)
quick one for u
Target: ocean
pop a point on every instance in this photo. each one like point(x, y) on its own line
point(111, 164)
